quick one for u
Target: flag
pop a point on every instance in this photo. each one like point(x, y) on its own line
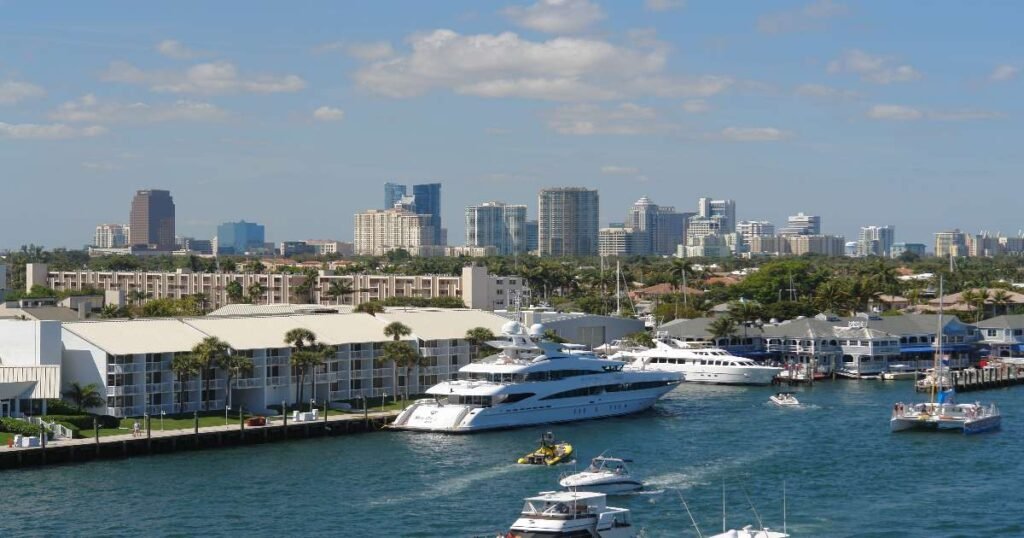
point(947, 396)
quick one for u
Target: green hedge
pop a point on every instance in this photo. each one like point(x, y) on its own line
point(13, 425)
point(60, 407)
point(84, 422)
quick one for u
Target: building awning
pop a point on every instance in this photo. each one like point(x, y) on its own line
point(929, 349)
point(16, 389)
point(1017, 347)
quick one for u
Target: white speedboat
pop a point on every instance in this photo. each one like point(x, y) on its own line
point(750, 532)
point(700, 364)
point(533, 382)
point(968, 418)
point(784, 399)
point(554, 514)
point(604, 475)
point(898, 372)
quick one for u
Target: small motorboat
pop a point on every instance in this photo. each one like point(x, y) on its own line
point(572, 513)
point(604, 475)
point(549, 453)
point(785, 399)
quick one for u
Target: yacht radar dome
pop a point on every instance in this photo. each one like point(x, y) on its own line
point(511, 327)
point(537, 329)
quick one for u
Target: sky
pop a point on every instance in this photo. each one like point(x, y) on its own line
point(294, 115)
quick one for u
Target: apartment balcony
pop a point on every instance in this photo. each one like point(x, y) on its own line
point(277, 381)
point(248, 383)
point(122, 412)
point(160, 387)
point(126, 368)
point(155, 410)
point(124, 390)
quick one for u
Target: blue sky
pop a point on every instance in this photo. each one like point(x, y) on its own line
point(902, 113)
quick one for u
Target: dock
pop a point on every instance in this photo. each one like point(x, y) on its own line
point(987, 378)
point(150, 441)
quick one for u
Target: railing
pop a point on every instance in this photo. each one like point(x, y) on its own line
point(160, 387)
point(328, 377)
point(126, 368)
point(248, 383)
point(124, 390)
point(59, 431)
point(276, 381)
point(154, 410)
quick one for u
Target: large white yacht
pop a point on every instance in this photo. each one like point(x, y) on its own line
point(567, 514)
point(533, 382)
point(699, 363)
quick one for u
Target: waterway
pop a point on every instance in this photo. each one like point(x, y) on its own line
point(844, 474)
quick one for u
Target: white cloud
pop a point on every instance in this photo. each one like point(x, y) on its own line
point(1003, 73)
point(327, 113)
point(204, 78)
point(820, 91)
point(53, 131)
point(696, 106)
point(894, 112)
point(677, 86)
point(625, 119)
point(89, 109)
point(877, 69)
point(369, 52)
point(614, 170)
point(810, 17)
point(556, 16)
point(506, 65)
point(751, 134)
point(12, 92)
point(175, 49)
point(664, 5)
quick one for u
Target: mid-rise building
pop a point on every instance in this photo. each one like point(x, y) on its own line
point(379, 231)
point(240, 237)
point(30, 366)
point(723, 210)
point(111, 236)
point(428, 202)
point(951, 243)
point(801, 224)
point(918, 249)
point(876, 241)
point(498, 225)
point(753, 228)
point(622, 241)
point(699, 227)
point(393, 192)
point(767, 245)
point(567, 222)
point(328, 247)
point(152, 220)
point(826, 245)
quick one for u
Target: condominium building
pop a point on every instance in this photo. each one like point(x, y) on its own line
point(111, 236)
point(152, 220)
point(327, 247)
point(826, 245)
point(240, 237)
point(642, 221)
point(918, 249)
point(498, 225)
point(767, 245)
point(951, 243)
point(621, 241)
point(568, 222)
point(801, 224)
point(659, 228)
point(30, 366)
point(876, 241)
point(723, 210)
point(753, 228)
point(531, 230)
point(379, 231)
point(699, 227)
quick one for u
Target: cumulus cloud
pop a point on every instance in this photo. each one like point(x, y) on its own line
point(1003, 73)
point(175, 49)
point(52, 131)
point(906, 113)
point(506, 65)
point(810, 17)
point(625, 119)
point(12, 92)
point(556, 16)
point(696, 106)
point(877, 69)
point(819, 91)
point(205, 78)
point(750, 134)
point(664, 5)
point(327, 113)
point(89, 109)
point(368, 52)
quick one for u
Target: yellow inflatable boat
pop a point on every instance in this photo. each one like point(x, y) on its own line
point(549, 453)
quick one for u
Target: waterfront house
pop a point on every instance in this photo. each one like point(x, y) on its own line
point(1004, 335)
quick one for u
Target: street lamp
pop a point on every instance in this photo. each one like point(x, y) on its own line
point(162, 413)
point(226, 409)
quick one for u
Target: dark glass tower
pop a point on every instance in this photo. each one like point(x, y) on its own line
point(152, 220)
point(428, 202)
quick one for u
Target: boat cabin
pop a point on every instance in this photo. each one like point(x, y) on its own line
point(568, 505)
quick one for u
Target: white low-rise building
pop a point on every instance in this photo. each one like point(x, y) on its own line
point(30, 366)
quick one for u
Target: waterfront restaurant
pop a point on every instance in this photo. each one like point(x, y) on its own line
point(131, 359)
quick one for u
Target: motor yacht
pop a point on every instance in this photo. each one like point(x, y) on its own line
point(699, 363)
point(554, 514)
point(897, 372)
point(604, 475)
point(530, 382)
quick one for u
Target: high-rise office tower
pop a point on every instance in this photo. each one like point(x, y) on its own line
point(393, 192)
point(643, 219)
point(952, 243)
point(110, 236)
point(531, 229)
point(567, 222)
point(876, 241)
point(801, 224)
point(723, 210)
point(239, 237)
point(498, 225)
point(428, 202)
point(152, 220)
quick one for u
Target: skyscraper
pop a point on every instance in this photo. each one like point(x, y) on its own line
point(952, 243)
point(643, 218)
point(152, 220)
point(531, 230)
point(723, 210)
point(876, 241)
point(239, 237)
point(801, 224)
point(110, 236)
point(498, 225)
point(428, 202)
point(567, 222)
point(379, 231)
point(393, 192)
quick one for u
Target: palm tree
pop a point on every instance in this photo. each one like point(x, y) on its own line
point(184, 366)
point(370, 307)
point(208, 353)
point(306, 360)
point(743, 311)
point(256, 292)
point(477, 336)
point(1001, 297)
point(681, 267)
point(235, 292)
point(87, 396)
point(397, 330)
point(831, 296)
point(137, 296)
point(551, 336)
point(982, 299)
point(722, 328)
point(233, 365)
point(301, 340)
point(401, 355)
point(640, 338)
point(339, 288)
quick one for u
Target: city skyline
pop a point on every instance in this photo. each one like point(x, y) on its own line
point(824, 107)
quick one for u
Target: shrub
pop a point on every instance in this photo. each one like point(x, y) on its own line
point(60, 407)
point(84, 422)
point(14, 425)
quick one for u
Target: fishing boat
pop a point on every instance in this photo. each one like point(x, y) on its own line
point(604, 475)
point(942, 412)
point(784, 399)
point(565, 514)
point(549, 453)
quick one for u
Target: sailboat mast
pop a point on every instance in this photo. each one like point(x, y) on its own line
point(937, 385)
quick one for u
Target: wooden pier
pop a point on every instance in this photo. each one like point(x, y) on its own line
point(151, 441)
point(987, 378)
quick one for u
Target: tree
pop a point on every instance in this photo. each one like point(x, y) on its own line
point(682, 268)
point(255, 293)
point(208, 353)
point(305, 362)
point(640, 338)
point(370, 307)
point(235, 292)
point(722, 327)
point(476, 337)
point(302, 341)
point(233, 365)
point(184, 366)
point(551, 336)
point(1001, 297)
point(83, 397)
point(397, 330)
point(138, 296)
point(742, 311)
point(111, 311)
point(339, 288)
point(401, 355)
point(831, 296)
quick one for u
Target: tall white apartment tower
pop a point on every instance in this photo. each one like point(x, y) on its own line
point(801, 224)
point(876, 241)
point(378, 231)
point(498, 225)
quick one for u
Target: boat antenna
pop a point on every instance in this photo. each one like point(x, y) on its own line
point(694, 521)
point(937, 363)
point(753, 509)
point(618, 291)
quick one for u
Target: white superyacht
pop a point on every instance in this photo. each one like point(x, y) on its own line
point(700, 363)
point(533, 382)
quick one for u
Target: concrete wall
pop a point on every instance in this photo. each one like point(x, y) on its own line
point(36, 274)
point(30, 343)
point(83, 363)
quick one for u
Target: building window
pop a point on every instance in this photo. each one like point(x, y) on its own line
point(991, 332)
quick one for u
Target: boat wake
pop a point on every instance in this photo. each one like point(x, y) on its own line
point(705, 474)
point(454, 486)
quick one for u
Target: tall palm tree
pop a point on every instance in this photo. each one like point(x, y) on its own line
point(256, 292)
point(184, 366)
point(682, 268)
point(402, 355)
point(339, 288)
point(84, 396)
point(208, 353)
point(301, 340)
point(305, 362)
point(982, 299)
point(831, 296)
point(477, 336)
point(233, 365)
point(1001, 297)
point(397, 330)
point(235, 292)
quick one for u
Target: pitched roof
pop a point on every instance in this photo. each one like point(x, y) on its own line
point(260, 332)
point(1002, 322)
point(127, 337)
point(439, 324)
